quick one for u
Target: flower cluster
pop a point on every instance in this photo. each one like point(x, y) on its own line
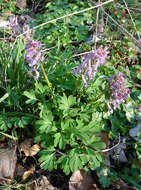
point(33, 53)
point(119, 91)
point(91, 62)
point(33, 56)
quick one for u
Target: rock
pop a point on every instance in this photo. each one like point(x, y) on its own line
point(134, 132)
point(8, 160)
point(118, 153)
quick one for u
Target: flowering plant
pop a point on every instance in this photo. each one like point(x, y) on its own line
point(69, 122)
point(71, 102)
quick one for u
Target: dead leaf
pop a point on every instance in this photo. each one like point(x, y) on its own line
point(2, 139)
point(34, 149)
point(28, 149)
point(28, 174)
point(46, 185)
point(21, 4)
point(4, 1)
point(8, 160)
point(80, 181)
point(9, 13)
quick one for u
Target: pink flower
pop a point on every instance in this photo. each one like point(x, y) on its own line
point(119, 91)
point(90, 64)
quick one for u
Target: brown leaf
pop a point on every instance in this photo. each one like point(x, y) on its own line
point(34, 149)
point(28, 149)
point(21, 4)
point(46, 185)
point(2, 139)
point(9, 13)
point(105, 138)
point(28, 174)
point(80, 181)
point(8, 159)
point(4, 1)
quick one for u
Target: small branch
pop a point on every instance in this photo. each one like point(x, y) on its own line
point(137, 42)
point(48, 49)
point(109, 149)
point(132, 19)
point(9, 136)
point(80, 54)
point(105, 150)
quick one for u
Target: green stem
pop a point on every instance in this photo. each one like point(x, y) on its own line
point(76, 86)
point(46, 78)
point(20, 113)
point(9, 136)
point(36, 85)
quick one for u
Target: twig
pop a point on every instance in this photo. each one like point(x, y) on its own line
point(48, 49)
point(80, 54)
point(97, 16)
point(109, 149)
point(137, 43)
point(132, 19)
point(106, 150)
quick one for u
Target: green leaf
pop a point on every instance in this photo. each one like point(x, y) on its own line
point(94, 160)
point(75, 163)
point(4, 123)
point(99, 145)
point(66, 103)
point(139, 97)
point(84, 158)
point(139, 76)
point(48, 160)
point(104, 181)
point(59, 139)
point(64, 163)
point(30, 95)
point(4, 97)
point(129, 109)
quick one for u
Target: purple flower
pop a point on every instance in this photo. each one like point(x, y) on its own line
point(119, 91)
point(33, 56)
point(91, 62)
point(33, 53)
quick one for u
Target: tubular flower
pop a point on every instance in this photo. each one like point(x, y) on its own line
point(33, 54)
point(91, 62)
point(119, 91)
